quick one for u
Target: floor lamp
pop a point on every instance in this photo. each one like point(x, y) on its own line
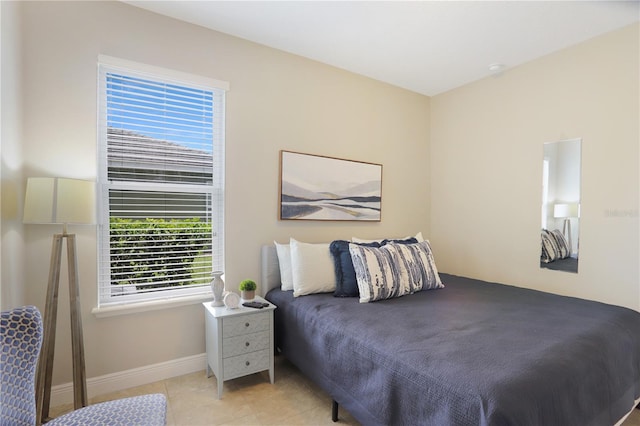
point(566, 212)
point(60, 201)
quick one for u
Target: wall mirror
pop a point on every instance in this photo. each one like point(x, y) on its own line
point(561, 205)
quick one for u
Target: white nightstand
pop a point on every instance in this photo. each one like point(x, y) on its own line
point(239, 341)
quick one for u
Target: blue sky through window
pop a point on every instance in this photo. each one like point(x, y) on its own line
point(159, 110)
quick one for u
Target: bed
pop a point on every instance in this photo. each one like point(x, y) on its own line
point(568, 264)
point(473, 353)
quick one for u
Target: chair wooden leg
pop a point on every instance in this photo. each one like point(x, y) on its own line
point(334, 410)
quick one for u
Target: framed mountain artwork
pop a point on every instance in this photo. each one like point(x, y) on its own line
point(315, 187)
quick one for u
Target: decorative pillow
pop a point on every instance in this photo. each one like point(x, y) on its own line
point(284, 260)
point(550, 250)
point(563, 244)
point(360, 241)
point(346, 284)
point(311, 268)
point(408, 240)
point(393, 270)
point(554, 246)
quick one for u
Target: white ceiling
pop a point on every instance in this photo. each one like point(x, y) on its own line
point(425, 46)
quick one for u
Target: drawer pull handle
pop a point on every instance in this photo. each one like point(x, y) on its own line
point(247, 344)
point(246, 324)
point(247, 363)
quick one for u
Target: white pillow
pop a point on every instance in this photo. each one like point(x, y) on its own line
point(284, 260)
point(311, 268)
point(360, 240)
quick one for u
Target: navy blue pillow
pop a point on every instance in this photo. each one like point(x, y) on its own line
point(411, 240)
point(346, 283)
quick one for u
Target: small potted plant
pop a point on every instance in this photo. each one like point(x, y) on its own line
point(248, 289)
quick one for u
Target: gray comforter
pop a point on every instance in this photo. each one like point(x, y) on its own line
point(473, 353)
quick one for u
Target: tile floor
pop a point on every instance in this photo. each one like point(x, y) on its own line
point(252, 400)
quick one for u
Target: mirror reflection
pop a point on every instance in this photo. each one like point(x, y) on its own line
point(561, 205)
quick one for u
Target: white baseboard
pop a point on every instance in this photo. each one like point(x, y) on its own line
point(63, 394)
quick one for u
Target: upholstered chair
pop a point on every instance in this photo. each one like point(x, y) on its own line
point(21, 339)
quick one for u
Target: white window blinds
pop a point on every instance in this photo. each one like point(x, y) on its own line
point(161, 182)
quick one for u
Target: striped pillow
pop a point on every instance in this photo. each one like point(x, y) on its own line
point(393, 270)
point(554, 246)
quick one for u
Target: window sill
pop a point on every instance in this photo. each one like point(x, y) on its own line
point(150, 305)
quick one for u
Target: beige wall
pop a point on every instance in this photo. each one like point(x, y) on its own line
point(486, 145)
point(12, 288)
point(277, 101)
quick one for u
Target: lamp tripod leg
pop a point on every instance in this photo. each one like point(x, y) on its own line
point(45, 362)
point(77, 344)
point(567, 232)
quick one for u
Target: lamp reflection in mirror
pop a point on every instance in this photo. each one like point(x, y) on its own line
point(566, 212)
point(60, 201)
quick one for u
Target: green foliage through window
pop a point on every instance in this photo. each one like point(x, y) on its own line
point(158, 253)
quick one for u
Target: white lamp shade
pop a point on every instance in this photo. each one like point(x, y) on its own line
point(59, 200)
point(566, 210)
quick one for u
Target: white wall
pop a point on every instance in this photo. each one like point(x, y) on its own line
point(486, 145)
point(277, 101)
point(568, 172)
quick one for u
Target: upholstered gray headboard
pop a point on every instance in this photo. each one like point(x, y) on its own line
point(270, 269)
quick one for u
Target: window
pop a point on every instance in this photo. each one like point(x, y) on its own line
point(160, 182)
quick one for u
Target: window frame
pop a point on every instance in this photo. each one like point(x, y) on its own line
point(106, 64)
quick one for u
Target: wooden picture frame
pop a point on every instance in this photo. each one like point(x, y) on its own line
point(316, 187)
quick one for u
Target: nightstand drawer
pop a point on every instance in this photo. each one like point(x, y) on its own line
point(245, 324)
point(238, 345)
point(242, 365)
